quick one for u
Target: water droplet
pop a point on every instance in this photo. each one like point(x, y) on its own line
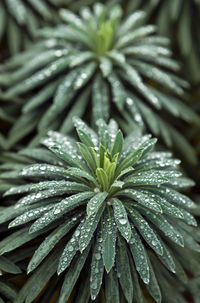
point(122, 221)
point(98, 256)
point(70, 248)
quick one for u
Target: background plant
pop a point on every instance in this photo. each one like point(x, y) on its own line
point(73, 64)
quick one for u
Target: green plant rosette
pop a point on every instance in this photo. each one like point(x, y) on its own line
point(96, 63)
point(107, 212)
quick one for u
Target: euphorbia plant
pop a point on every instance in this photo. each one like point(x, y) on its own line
point(108, 208)
point(98, 62)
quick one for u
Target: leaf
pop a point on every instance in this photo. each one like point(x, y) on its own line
point(49, 243)
point(139, 256)
point(66, 155)
point(88, 228)
point(70, 250)
point(85, 138)
point(161, 222)
point(39, 77)
point(123, 270)
point(79, 124)
point(97, 268)
point(60, 209)
point(95, 203)
point(42, 96)
point(39, 279)
point(80, 173)
point(112, 287)
point(167, 208)
point(85, 74)
point(8, 266)
point(130, 22)
point(109, 240)
point(100, 99)
point(72, 276)
point(30, 215)
point(18, 238)
point(27, 188)
point(130, 159)
point(87, 156)
point(69, 187)
point(102, 178)
point(141, 198)
point(118, 91)
point(117, 144)
point(153, 286)
point(167, 258)
point(175, 197)
point(8, 290)
point(77, 109)
point(138, 293)
point(43, 171)
point(103, 133)
point(146, 231)
point(121, 218)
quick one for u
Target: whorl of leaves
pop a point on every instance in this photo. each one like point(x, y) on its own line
point(94, 62)
point(110, 208)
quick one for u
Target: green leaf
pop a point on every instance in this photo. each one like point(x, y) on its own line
point(143, 199)
point(153, 286)
point(138, 293)
point(95, 203)
point(89, 227)
point(100, 99)
point(130, 159)
point(97, 268)
point(167, 208)
point(102, 178)
point(48, 244)
point(64, 154)
point(60, 209)
point(17, 239)
point(30, 215)
point(38, 78)
point(146, 231)
point(112, 287)
point(121, 218)
point(8, 266)
point(85, 74)
point(131, 22)
point(72, 276)
point(161, 222)
point(69, 187)
point(85, 138)
point(87, 155)
point(123, 270)
point(70, 250)
point(103, 133)
point(167, 258)
point(118, 91)
point(39, 279)
point(118, 144)
point(139, 255)
point(79, 124)
point(43, 171)
point(105, 66)
point(109, 239)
